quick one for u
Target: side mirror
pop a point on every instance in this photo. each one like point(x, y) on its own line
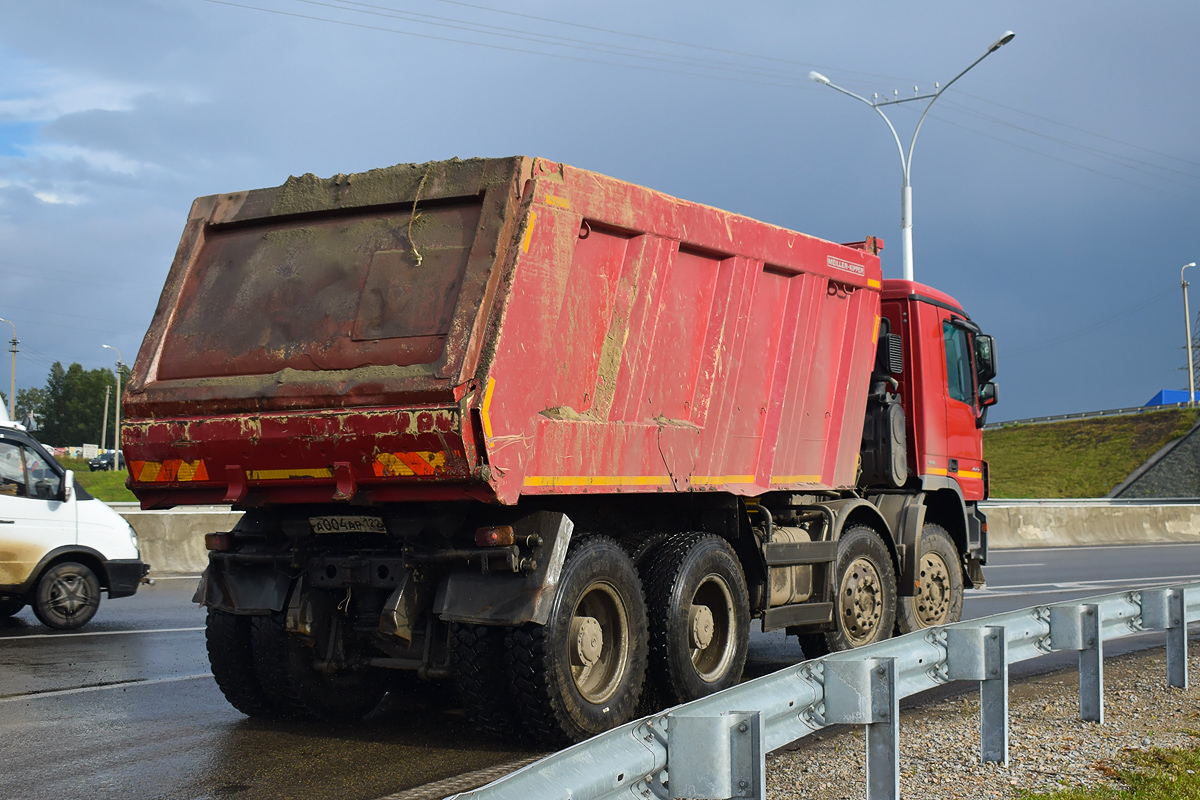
point(985, 359)
point(989, 395)
point(68, 487)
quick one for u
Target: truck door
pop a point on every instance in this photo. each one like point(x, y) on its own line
point(33, 518)
point(964, 444)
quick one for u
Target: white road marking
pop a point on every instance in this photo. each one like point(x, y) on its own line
point(1031, 589)
point(122, 685)
point(175, 577)
point(1087, 584)
point(990, 567)
point(1077, 548)
point(95, 633)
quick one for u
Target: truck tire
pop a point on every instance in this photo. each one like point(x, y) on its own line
point(227, 639)
point(285, 668)
point(582, 672)
point(477, 662)
point(66, 596)
point(9, 606)
point(939, 596)
point(699, 613)
point(864, 603)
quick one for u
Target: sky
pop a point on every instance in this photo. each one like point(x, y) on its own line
point(1056, 186)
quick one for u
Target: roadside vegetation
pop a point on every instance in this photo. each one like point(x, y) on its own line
point(107, 486)
point(1150, 775)
point(1079, 458)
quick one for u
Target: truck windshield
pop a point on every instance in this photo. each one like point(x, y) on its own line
point(958, 362)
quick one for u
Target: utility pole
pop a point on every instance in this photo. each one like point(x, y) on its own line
point(12, 381)
point(117, 422)
point(104, 425)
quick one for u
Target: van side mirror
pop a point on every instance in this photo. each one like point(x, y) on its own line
point(988, 395)
point(68, 487)
point(985, 359)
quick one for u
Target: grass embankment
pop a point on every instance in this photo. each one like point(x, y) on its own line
point(1150, 775)
point(1080, 458)
point(107, 486)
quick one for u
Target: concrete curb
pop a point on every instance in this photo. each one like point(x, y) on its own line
point(173, 541)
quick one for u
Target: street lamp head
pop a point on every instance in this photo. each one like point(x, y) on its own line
point(818, 77)
point(1003, 40)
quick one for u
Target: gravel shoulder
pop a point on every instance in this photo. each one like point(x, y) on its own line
point(1049, 746)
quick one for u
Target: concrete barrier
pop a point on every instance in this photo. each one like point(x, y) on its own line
point(173, 541)
point(1080, 523)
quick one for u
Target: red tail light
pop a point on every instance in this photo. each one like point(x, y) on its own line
point(498, 536)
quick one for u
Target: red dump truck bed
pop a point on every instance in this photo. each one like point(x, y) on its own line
point(495, 328)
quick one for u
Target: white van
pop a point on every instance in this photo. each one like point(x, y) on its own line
point(59, 546)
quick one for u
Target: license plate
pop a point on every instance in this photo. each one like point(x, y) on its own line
point(347, 525)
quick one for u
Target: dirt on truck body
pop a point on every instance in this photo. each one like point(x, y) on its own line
point(549, 434)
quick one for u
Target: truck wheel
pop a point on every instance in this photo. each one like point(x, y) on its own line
point(864, 606)
point(581, 673)
point(285, 668)
point(477, 660)
point(9, 606)
point(699, 613)
point(939, 596)
point(227, 638)
point(67, 596)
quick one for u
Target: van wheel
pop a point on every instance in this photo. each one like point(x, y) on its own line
point(864, 605)
point(286, 669)
point(939, 596)
point(227, 639)
point(581, 673)
point(9, 606)
point(67, 596)
point(699, 614)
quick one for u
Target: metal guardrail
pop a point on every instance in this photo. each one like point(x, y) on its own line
point(1112, 412)
point(716, 747)
point(1087, 502)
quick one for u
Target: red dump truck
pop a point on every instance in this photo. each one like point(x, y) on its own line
point(549, 435)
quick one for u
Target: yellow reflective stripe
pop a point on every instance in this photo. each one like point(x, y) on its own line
point(796, 479)
point(284, 474)
point(936, 471)
point(597, 480)
point(873, 284)
point(528, 232)
point(709, 480)
point(485, 412)
point(149, 473)
point(557, 202)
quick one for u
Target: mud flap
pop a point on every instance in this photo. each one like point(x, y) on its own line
point(510, 599)
point(241, 588)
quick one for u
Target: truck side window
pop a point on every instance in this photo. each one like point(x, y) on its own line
point(12, 470)
point(958, 363)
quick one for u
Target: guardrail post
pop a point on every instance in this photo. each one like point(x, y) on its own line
point(981, 654)
point(862, 691)
point(1077, 627)
point(1164, 610)
point(716, 757)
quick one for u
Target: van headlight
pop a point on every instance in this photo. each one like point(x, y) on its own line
point(133, 539)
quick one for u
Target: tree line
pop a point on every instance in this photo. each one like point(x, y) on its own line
point(69, 409)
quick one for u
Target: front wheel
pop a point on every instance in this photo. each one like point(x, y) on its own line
point(865, 583)
point(699, 614)
point(67, 596)
point(581, 673)
point(939, 596)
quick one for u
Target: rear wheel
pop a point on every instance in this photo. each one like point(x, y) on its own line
point(581, 673)
point(864, 605)
point(699, 613)
point(227, 638)
point(286, 667)
point(477, 660)
point(67, 596)
point(939, 596)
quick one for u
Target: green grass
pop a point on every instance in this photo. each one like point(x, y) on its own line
point(107, 486)
point(1149, 775)
point(1081, 458)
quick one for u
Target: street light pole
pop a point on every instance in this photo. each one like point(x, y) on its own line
point(906, 160)
point(117, 415)
point(12, 381)
point(1187, 327)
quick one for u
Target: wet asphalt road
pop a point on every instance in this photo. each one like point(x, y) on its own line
point(125, 707)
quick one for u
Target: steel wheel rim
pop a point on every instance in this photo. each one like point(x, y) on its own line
point(933, 595)
point(599, 680)
point(69, 595)
point(712, 661)
point(860, 601)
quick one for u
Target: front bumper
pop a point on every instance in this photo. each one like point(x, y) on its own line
point(124, 576)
